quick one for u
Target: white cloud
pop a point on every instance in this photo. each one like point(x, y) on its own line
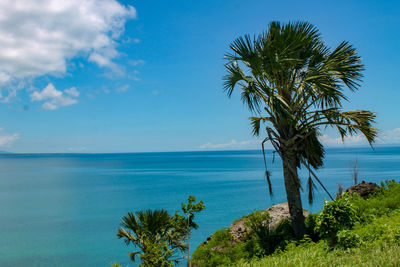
point(384, 137)
point(122, 88)
point(11, 93)
point(232, 144)
point(72, 92)
point(49, 92)
point(390, 136)
point(136, 76)
point(348, 140)
point(39, 37)
point(136, 62)
point(77, 149)
point(54, 98)
point(7, 139)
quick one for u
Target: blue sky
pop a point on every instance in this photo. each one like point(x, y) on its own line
point(133, 76)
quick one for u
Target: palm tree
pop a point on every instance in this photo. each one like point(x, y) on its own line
point(294, 84)
point(153, 233)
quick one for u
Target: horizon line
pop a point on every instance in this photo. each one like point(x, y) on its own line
point(187, 151)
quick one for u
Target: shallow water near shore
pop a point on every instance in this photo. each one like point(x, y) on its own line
point(64, 209)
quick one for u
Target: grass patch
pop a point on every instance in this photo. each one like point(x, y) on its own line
point(318, 254)
point(378, 244)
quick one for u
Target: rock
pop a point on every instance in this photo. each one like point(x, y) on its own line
point(207, 240)
point(217, 248)
point(277, 213)
point(364, 189)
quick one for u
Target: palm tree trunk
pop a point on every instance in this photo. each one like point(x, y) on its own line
point(292, 186)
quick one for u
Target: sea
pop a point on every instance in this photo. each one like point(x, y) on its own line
point(65, 209)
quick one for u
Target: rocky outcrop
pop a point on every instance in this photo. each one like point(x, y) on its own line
point(364, 189)
point(278, 212)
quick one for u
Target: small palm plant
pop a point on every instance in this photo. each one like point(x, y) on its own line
point(154, 234)
point(186, 222)
point(294, 84)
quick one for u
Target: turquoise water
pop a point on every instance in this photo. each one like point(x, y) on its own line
point(64, 210)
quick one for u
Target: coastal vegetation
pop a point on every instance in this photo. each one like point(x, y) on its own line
point(160, 237)
point(294, 85)
point(365, 231)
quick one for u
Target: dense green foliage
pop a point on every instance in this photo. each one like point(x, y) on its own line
point(369, 236)
point(336, 215)
point(154, 234)
point(385, 201)
point(265, 241)
point(260, 241)
point(374, 244)
point(220, 251)
point(159, 236)
point(157, 254)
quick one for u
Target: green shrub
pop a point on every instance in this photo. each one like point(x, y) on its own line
point(311, 224)
point(383, 202)
point(382, 229)
point(348, 239)
point(222, 250)
point(258, 222)
point(157, 254)
point(336, 215)
point(267, 240)
point(281, 235)
point(219, 251)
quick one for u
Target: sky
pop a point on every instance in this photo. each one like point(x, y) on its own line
point(141, 76)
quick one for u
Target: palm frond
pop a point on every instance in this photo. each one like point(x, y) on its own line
point(256, 123)
point(345, 64)
point(311, 149)
point(234, 76)
point(268, 177)
point(132, 255)
point(311, 187)
point(250, 96)
point(129, 237)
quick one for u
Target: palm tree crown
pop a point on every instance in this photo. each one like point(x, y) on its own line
point(294, 84)
point(149, 227)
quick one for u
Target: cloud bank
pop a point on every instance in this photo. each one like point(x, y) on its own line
point(7, 139)
point(333, 141)
point(53, 98)
point(389, 137)
point(39, 37)
point(230, 145)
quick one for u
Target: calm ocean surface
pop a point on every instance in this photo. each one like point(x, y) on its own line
point(64, 210)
